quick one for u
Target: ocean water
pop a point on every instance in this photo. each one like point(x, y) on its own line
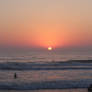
point(68, 78)
point(26, 78)
point(44, 56)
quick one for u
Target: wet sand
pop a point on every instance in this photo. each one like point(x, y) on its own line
point(65, 90)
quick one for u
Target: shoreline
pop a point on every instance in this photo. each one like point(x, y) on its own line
point(49, 90)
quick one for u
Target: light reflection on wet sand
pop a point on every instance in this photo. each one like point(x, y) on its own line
point(67, 90)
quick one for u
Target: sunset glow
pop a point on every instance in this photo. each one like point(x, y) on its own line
point(44, 23)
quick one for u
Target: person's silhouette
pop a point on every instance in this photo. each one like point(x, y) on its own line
point(15, 76)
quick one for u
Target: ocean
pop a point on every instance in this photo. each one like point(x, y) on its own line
point(53, 80)
point(44, 56)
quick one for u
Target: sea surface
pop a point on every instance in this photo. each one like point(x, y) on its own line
point(44, 56)
point(25, 78)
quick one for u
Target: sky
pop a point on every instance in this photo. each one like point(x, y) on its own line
point(44, 23)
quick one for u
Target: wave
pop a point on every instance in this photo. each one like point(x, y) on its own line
point(46, 66)
point(62, 84)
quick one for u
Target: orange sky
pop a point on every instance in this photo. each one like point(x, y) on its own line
point(44, 23)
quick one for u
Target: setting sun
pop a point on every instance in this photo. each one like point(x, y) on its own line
point(49, 48)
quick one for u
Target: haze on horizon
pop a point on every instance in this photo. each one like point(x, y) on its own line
point(44, 23)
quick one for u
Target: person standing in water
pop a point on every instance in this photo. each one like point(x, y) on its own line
point(15, 76)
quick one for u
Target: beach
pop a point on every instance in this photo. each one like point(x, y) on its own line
point(67, 90)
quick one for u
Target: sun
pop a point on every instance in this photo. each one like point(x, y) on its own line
point(49, 48)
